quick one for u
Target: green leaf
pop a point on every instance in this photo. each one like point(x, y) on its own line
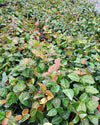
point(60, 109)
point(49, 105)
point(92, 105)
point(69, 93)
point(39, 95)
point(65, 83)
point(82, 114)
point(3, 92)
point(74, 77)
point(12, 121)
point(32, 119)
point(39, 115)
point(25, 99)
point(65, 102)
point(91, 89)
point(24, 118)
point(87, 79)
point(84, 97)
point(56, 102)
point(4, 78)
point(52, 112)
point(65, 115)
point(55, 88)
point(75, 120)
point(56, 120)
point(11, 98)
point(33, 112)
point(93, 119)
point(81, 107)
point(19, 87)
point(2, 115)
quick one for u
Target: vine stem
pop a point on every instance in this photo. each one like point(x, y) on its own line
point(78, 114)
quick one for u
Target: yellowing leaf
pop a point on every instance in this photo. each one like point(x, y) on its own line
point(42, 86)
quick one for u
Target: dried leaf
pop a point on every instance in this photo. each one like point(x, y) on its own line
point(49, 98)
point(41, 108)
point(8, 114)
point(43, 101)
point(5, 121)
point(25, 111)
point(3, 101)
point(42, 86)
point(36, 105)
point(18, 117)
point(49, 93)
point(47, 123)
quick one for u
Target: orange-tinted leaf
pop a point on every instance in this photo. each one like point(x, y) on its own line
point(28, 83)
point(18, 117)
point(5, 121)
point(35, 73)
point(49, 93)
point(43, 101)
point(83, 61)
point(42, 86)
point(25, 111)
point(8, 114)
point(36, 105)
point(3, 101)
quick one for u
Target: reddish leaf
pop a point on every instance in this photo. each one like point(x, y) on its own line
point(80, 73)
point(99, 107)
point(3, 101)
point(5, 121)
point(44, 74)
point(57, 61)
point(25, 111)
point(52, 68)
point(8, 114)
point(18, 117)
point(83, 61)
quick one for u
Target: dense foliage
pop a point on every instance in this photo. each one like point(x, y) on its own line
point(49, 62)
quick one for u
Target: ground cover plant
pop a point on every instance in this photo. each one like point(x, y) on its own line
point(49, 63)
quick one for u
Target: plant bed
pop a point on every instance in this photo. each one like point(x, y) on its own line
point(49, 63)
